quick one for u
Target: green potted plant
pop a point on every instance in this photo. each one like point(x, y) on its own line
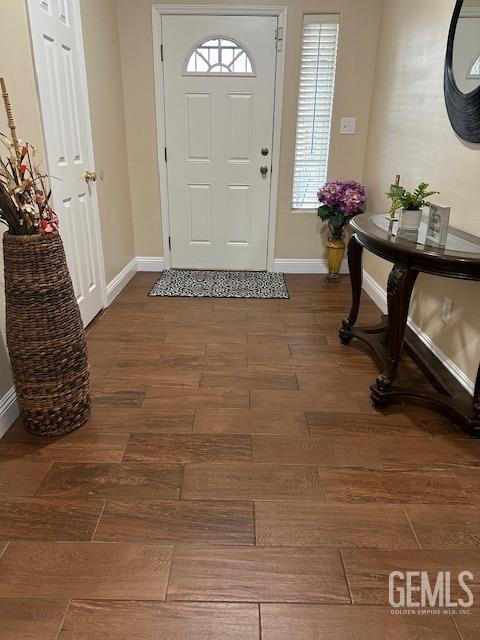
point(411, 204)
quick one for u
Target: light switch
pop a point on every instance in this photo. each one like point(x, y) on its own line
point(348, 126)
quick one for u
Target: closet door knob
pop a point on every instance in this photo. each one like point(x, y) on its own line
point(90, 176)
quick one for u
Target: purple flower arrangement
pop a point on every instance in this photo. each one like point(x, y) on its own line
point(340, 201)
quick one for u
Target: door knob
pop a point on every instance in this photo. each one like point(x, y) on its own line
point(264, 170)
point(90, 176)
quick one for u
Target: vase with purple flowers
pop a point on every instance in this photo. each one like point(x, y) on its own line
point(339, 202)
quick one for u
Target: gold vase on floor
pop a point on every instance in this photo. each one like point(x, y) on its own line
point(335, 253)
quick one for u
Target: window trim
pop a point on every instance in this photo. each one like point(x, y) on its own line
point(209, 74)
point(308, 19)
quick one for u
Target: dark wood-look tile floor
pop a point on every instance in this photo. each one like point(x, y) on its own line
point(234, 482)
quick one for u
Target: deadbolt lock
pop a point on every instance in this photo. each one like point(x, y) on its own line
point(264, 151)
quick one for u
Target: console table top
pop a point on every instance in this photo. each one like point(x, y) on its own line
point(460, 258)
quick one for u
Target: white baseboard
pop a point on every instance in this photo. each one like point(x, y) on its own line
point(8, 411)
point(147, 263)
point(304, 265)
point(120, 281)
point(379, 296)
point(375, 291)
point(154, 263)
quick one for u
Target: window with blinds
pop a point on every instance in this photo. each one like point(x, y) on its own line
point(315, 102)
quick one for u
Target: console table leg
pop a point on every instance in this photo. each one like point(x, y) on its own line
point(355, 251)
point(399, 292)
point(476, 396)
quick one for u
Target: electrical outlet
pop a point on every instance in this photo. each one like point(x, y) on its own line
point(447, 310)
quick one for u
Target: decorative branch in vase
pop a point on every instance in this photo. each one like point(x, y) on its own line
point(44, 330)
point(24, 199)
point(339, 203)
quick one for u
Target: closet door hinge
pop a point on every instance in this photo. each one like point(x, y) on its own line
point(165, 154)
point(161, 52)
point(169, 243)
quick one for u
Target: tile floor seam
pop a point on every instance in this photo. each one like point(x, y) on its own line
point(3, 551)
point(346, 576)
point(182, 478)
point(98, 521)
point(260, 631)
point(457, 629)
point(405, 510)
point(169, 574)
point(35, 493)
point(64, 617)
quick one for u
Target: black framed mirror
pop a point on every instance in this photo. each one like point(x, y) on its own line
point(462, 71)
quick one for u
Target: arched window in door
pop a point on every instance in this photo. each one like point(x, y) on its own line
point(219, 55)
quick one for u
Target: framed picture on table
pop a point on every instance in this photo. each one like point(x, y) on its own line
point(438, 222)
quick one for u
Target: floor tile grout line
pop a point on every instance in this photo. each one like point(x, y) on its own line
point(318, 469)
point(50, 466)
point(254, 514)
point(346, 575)
point(184, 464)
point(127, 442)
point(460, 636)
point(404, 507)
point(64, 617)
point(260, 631)
point(169, 575)
point(194, 420)
point(4, 549)
point(98, 521)
point(298, 381)
point(307, 423)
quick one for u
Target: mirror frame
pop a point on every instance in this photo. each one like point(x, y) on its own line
point(463, 108)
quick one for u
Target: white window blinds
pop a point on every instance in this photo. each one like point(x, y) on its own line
point(315, 101)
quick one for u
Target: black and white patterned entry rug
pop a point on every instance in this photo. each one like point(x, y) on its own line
point(220, 284)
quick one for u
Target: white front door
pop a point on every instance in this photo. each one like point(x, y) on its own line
point(55, 27)
point(219, 82)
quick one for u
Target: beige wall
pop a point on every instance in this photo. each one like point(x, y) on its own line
point(410, 134)
point(105, 86)
point(297, 234)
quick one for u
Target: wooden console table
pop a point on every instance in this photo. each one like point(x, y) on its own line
point(460, 259)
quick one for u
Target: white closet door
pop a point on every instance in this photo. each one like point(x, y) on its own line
point(59, 60)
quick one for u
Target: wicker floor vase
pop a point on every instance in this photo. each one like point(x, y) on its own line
point(45, 335)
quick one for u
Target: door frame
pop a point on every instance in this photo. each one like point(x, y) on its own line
point(97, 233)
point(280, 12)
